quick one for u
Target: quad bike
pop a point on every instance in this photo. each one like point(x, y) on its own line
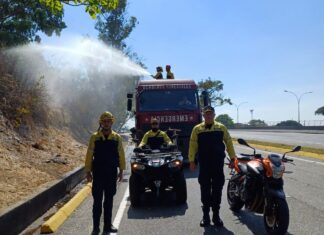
point(157, 170)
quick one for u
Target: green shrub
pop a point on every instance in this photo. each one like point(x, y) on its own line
point(289, 123)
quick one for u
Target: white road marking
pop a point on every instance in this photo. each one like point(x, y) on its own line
point(295, 158)
point(304, 160)
point(121, 209)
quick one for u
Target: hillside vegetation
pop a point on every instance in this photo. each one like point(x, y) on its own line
point(29, 162)
point(36, 147)
point(41, 139)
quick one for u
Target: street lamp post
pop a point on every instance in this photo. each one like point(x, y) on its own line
point(298, 98)
point(237, 110)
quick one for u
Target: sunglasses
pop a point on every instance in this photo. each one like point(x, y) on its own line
point(154, 124)
point(106, 120)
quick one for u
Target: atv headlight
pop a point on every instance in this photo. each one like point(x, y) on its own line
point(156, 162)
point(175, 163)
point(137, 166)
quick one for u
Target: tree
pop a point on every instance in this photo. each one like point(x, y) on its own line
point(114, 26)
point(20, 20)
point(93, 7)
point(225, 120)
point(320, 111)
point(214, 89)
point(289, 123)
point(257, 123)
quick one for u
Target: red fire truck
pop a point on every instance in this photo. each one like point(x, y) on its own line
point(175, 103)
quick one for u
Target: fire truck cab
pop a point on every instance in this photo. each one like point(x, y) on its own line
point(175, 103)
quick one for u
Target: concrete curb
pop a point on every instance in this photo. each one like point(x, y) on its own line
point(16, 218)
point(62, 214)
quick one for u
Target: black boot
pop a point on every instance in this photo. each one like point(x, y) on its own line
point(95, 231)
point(110, 229)
point(206, 219)
point(216, 219)
point(96, 224)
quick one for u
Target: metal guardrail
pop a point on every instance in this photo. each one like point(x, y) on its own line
point(303, 122)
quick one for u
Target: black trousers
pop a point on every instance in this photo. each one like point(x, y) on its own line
point(104, 185)
point(211, 179)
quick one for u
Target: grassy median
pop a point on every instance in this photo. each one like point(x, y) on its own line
point(281, 148)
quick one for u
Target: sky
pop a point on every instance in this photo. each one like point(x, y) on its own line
point(257, 48)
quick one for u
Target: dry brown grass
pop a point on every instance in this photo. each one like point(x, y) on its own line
point(24, 168)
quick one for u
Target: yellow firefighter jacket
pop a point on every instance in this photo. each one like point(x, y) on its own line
point(117, 146)
point(151, 135)
point(216, 136)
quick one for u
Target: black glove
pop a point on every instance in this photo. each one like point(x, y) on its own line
point(231, 164)
point(145, 146)
point(137, 150)
point(172, 146)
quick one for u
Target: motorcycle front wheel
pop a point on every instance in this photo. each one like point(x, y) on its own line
point(233, 196)
point(276, 218)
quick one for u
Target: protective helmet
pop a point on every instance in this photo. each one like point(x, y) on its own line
point(168, 66)
point(208, 108)
point(159, 69)
point(154, 120)
point(106, 115)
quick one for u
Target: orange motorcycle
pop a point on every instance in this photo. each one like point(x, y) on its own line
point(257, 184)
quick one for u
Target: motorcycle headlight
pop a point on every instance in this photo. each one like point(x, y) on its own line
point(175, 163)
point(277, 171)
point(137, 166)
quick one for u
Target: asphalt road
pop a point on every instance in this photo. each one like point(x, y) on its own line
point(304, 188)
point(292, 137)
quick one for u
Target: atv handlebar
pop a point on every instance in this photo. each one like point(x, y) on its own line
point(163, 148)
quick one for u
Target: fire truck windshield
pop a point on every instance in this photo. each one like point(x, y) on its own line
point(173, 100)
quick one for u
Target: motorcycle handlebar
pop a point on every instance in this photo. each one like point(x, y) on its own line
point(287, 160)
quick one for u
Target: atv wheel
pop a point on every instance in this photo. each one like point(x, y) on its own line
point(135, 190)
point(180, 187)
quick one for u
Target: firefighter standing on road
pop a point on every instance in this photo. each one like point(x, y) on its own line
point(155, 137)
point(105, 154)
point(207, 139)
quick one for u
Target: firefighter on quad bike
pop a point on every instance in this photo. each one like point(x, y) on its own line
point(155, 138)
